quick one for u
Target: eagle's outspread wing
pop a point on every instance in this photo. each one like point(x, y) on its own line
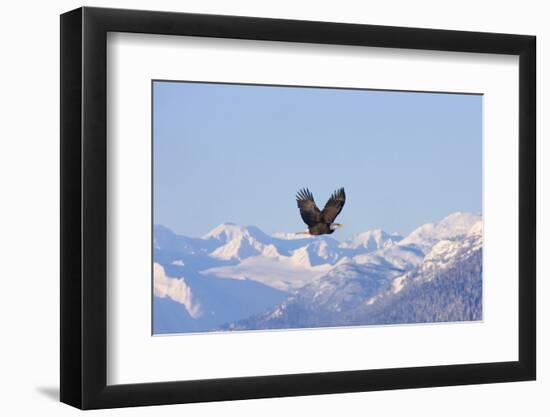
point(309, 211)
point(334, 206)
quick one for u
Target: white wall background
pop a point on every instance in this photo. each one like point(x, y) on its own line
point(29, 168)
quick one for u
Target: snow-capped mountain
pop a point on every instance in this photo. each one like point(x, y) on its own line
point(447, 252)
point(187, 301)
point(447, 286)
point(284, 264)
point(236, 242)
point(240, 277)
point(454, 225)
point(372, 240)
point(176, 289)
point(166, 240)
point(444, 286)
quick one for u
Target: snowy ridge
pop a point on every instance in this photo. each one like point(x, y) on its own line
point(176, 289)
point(445, 286)
point(372, 240)
point(452, 226)
point(445, 253)
point(303, 281)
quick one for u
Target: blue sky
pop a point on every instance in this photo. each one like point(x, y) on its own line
point(239, 153)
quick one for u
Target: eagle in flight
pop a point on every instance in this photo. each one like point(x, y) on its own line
point(320, 222)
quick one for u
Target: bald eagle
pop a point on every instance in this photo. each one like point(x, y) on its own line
point(320, 222)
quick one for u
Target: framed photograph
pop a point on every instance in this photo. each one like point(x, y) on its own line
point(257, 208)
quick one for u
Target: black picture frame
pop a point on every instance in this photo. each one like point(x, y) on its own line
point(84, 207)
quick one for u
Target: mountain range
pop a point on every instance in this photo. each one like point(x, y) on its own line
point(240, 278)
